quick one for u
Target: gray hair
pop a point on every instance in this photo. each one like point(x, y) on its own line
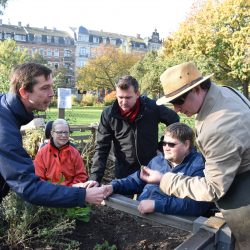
point(59, 121)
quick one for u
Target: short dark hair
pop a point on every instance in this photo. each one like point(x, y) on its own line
point(24, 75)
point(126, 81)
point(206, 84)
point(181, 132)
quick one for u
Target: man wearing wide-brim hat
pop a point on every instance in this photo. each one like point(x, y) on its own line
point(222, 125)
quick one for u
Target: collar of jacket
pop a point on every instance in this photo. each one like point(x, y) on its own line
point(210, 100)
point(15, 105)
point(186, 159)
point(115, 112)
point(52, 144)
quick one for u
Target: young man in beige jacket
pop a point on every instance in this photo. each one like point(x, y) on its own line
point(222, 125)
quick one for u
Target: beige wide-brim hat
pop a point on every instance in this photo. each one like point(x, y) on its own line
point(178, 80)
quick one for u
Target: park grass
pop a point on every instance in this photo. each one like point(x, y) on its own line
point(87, 115)
point(76, 115)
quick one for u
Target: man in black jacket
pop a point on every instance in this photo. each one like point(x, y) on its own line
point(131, 123)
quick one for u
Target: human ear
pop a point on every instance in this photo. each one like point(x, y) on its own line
point(187, 143)
point(23, 93)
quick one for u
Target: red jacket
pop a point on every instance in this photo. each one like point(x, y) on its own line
point(63, 166)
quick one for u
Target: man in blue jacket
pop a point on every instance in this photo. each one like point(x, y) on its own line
point(31, 89)
point(181, 157)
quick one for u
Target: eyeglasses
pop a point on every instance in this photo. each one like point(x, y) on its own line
point(170, 144)
point(180, 100)
point(66, 133)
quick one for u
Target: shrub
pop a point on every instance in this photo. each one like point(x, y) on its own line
point(88, 153)
point(88, 100)
point(26, 225)
point(75, 100)
point(109, 98)
point(32, 140)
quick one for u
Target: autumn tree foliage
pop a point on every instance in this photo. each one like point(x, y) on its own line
point(215, 36)
point(3, 4)
point(147, 72)
point(10, 56)
point(102, 71)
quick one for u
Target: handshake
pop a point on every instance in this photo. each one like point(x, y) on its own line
point(94, 193)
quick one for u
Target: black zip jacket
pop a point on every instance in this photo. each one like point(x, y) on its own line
point(135, 144)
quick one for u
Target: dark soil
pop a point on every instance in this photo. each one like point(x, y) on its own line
point(125, 232)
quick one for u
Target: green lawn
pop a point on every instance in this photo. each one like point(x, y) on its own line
point(88, 115)
point(77, 115)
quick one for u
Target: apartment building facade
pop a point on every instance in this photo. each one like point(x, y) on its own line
point(72, 49)
point(55, 46)
point(86, 42)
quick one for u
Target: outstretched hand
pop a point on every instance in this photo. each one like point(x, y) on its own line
point(150, 176)
point(146, 206)
point(95, 195)
point(87, 184)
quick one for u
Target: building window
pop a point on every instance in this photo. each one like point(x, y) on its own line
point(113, 42)
point(104, 40)
point(48, 39)
point(67, 53)
point(56, 53)
point(34, 51)
point(38, 38)
point(20, 37)
point(44, 38)
point(81, 63)
point(95, 39)
point(7, 36)
point(83, 38)
point(49, 52)
point(61, 40)
point(56, 39)
point(41, 51)
point(83, 52)
point(67, 41)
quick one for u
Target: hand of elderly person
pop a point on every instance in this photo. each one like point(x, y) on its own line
point(150, 176)
point(146, 206)
point(95, 195)
point(87, 184)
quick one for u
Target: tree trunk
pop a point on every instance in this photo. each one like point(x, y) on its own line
point(245, 85)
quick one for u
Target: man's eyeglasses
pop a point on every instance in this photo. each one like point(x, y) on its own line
point(62, 133)
point(170, 144)
point(180, 100)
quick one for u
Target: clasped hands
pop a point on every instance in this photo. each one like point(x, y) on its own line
point(96, 194)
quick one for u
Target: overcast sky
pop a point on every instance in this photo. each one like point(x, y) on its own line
point(127, 17)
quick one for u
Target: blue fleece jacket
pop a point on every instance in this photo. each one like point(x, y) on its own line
point(193, 165)
point(16, 167)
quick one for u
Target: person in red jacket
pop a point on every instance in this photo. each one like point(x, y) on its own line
point(58, 161)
